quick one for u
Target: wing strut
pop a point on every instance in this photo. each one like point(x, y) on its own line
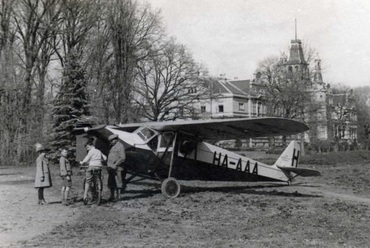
point(163, 156)
point(170, 187)
point(173, 152)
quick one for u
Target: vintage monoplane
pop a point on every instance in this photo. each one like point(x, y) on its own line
point(177, 150)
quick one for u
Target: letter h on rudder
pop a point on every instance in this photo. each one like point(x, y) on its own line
point(295, 158)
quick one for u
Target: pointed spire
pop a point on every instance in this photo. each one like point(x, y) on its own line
point(296, 55)
point(295, 28)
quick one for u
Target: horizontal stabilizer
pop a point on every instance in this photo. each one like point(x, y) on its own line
point(301, 171)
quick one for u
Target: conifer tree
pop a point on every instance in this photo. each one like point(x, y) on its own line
point(70, 105)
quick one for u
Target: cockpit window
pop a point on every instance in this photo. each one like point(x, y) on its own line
point(166, 139)
point(146, 133)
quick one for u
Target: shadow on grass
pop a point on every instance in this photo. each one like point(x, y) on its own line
point(270, 190)
point(18, 182)
point(252, 190)
point(139, 194)
point(10, 174)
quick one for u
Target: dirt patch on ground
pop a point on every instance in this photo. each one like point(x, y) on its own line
point(328, 211)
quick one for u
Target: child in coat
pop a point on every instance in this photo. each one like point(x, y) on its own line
point(43, 177)
point(65, 173)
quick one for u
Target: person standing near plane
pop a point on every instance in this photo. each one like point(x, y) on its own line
point(65, 173)
point(94, 159)
point(116, 158)
point(43, 177)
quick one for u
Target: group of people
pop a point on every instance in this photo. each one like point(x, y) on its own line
point(94, 161)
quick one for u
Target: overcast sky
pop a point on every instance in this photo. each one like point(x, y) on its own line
point(232, 36)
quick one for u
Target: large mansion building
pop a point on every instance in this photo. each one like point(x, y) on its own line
point(334, 120)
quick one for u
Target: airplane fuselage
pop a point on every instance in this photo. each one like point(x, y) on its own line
point(188, 159)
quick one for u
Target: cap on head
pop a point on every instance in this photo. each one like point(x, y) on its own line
point(39, 147)
point(112, 137)
point(64, 149)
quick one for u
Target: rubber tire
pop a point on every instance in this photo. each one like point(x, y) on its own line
point(170, 188)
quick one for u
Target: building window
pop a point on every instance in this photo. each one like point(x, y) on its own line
point(202, 109)
point(254, 108)
point(221, 108)
point(241, 106)
point(192, 90)
point(181, 111)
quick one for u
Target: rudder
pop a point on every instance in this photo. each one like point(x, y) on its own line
point(290, 156)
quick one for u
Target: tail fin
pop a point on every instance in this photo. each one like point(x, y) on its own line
point(288, 161)
point(290, 156)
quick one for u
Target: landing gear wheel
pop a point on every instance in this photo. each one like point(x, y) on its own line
point(170, 188)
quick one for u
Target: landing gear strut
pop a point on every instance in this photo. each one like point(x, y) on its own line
point(170, 188)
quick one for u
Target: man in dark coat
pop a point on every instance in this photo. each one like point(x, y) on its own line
point(116, 173)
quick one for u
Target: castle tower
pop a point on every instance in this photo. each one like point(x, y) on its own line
point(283, 59)
point(296, 62)
point(317, 74)
point(296, 56)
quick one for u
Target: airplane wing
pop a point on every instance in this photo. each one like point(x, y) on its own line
point(99, 131)
point(223, 129)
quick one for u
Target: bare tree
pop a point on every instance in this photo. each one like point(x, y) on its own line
point(363, 114)
point(169, 83)
point(77, 19)
point(267, 73)
point(7, 37)
point(126, 33)
point(288, 92)
point(6, 32)
point(10, 86)
point(35, 21)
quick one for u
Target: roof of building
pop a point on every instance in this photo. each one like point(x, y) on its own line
point(339, 99)
point(223, 86)
point(242, 85)
point(218, 87)
point(235, 87)
point(296, 55)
